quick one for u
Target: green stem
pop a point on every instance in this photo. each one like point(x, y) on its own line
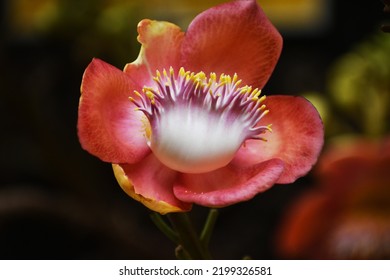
point(188, 238)
point(181, 254)
point(164, 227)
point(208, 227)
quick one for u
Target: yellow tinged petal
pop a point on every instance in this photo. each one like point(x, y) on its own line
point(161, 43)
point(161, 207)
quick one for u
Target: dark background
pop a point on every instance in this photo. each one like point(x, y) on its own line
point(59, 202)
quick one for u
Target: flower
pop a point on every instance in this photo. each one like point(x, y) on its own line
point(348, 215)
point(185, 122)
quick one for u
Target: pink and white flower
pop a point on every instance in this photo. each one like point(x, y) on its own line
point(186, 122)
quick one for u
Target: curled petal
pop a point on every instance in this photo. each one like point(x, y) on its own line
point(150, 183)
point(228, 185)
point(235, 37)
point(108, 125)
point(161, 42)
point(297, 137)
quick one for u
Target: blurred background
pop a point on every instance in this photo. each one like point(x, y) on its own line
point(59, 202)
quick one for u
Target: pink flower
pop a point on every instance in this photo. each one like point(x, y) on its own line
point(185, 123)
point(348, 215)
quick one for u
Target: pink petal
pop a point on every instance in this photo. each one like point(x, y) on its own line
point(228, 185)
point(139, 75)
point(108, 125)
point(234, 37)
point(150, 182)
point(297, 137)
point(161, 43)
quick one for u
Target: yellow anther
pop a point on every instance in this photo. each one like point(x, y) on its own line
point(222, 79)
point(255, 95)
point(158, 76)
point(235, 78)
point(213, 77)
point(255, 92)
point(200, 76)
point(261, 99)
point(136, 93)
point(149, 95)
point(182, 72)
point(144, 89)
point(244, 90)
point(229, 79)
point(237, 83)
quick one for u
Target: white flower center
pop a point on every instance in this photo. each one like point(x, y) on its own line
point(198, 123)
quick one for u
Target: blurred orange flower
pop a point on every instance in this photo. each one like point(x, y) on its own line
point(348, 215)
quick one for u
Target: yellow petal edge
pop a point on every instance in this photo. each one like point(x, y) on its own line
point(158, 206)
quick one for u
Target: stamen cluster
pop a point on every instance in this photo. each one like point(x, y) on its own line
point(223, 97)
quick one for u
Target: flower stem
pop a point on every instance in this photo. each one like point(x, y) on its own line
point(164, 227)
point(209, 227)
point(189, 240)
